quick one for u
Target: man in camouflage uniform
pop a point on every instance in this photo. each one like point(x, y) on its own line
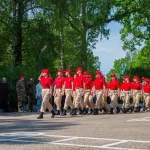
point(21, 93)
point(31, 94)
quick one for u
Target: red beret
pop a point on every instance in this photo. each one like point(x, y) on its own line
point(113, 75)
point(127, 77)
point(143, 78)
point(79, 69)
point(46, 71)
point(22, 76)
point(85, 73)
point(60, 70)
point(136, 77)
point(147, 80)
point(98, 72)
point(68, 70)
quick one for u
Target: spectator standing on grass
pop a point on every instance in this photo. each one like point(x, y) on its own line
point(39, 95)
point(4, 95)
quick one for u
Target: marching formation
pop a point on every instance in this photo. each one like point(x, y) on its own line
point(90, 97)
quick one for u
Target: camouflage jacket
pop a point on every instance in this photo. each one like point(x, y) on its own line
point(20, 88)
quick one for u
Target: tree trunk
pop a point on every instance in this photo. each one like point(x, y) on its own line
point(17, 32)
point(84, 31)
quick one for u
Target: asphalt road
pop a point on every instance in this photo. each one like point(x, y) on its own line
point(22, 131)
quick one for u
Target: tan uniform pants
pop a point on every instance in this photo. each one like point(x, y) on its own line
point(74, 97)
point(58, 98)
point(45, 101)
point(136, 97)
point(68, 101)
point(127, 96)
point(147, 100)
point(91, 103)
point(122, 97)
point(114, 98)
point(103, 103)
point(79, 103)
point(99, 94)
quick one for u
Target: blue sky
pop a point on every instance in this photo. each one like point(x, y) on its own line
point(110, 50)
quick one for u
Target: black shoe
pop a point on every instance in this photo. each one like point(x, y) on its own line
point(80, 111)
point(139, 108)
point(127, 110)
point(85, 111)
point(40, 116)
point(111, 111)
point(74, 112)
point(123, 110)
point(53, 114)
point(91, 111)
point(144, 108)
point(64, 113)
point(118, 110)
point(103, 110)
point(58, 112)
point(95, 112)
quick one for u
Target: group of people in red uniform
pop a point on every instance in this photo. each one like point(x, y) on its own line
point(84, 94)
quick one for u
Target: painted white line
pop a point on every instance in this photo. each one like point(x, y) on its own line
point(145, 119)
point(116, 143)
point(64, 140)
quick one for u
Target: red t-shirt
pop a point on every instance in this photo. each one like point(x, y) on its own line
point(46, 82)
point(113, 85)
point(68, 82)
point(88, 83)
point(59, 81)
point(136, 86)
point(79, 81)
point(74, 85)
point(126, 86)
point(99, 83)
point(146, 88)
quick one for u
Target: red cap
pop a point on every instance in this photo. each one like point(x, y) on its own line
point(68, 70)
point(136, 77)
point(127, 77)
point(113, 75)
point(60, 70)
point(46, 71)
point(143, 78)
point(98, 72)
point(79, 69)
point(147, 80)
point(85, 73)
point(22, 76)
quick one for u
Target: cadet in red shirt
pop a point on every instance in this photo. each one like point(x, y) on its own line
point(114, 92)
point(58, 90)
point(88, 88)
point(80, 87)
point(127, 92)
point(146, 90)
point(137, 93)
point(68, 88)
point(99, 90)
point(46, 83)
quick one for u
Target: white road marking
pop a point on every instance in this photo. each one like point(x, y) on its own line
point(145, 119)
point(13, 137)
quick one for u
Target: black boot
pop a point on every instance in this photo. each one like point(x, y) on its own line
point(74, 112)
point(53, 114)
point(91, 111)
point(111, 111)
point(40, 116)
point(103, 110)
point(80, 111)
point(126, 110)
point(85, 111)
point(58, 112)
point(95, 111)
point(64, 113)
point(144, 108)
point(123, 110)
point(139, 108)
point(118, 110)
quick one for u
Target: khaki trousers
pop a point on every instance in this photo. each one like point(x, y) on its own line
point(147, 100)
point(127, 96)
point(68, 101)
point(99, 94)
point(103, 103)
point(91, 103)
point(58, 98)
point(136, 97)
point(74, 97)
point(86, 98)
point(114, 98)
point(79, 103)
point(45, 101)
